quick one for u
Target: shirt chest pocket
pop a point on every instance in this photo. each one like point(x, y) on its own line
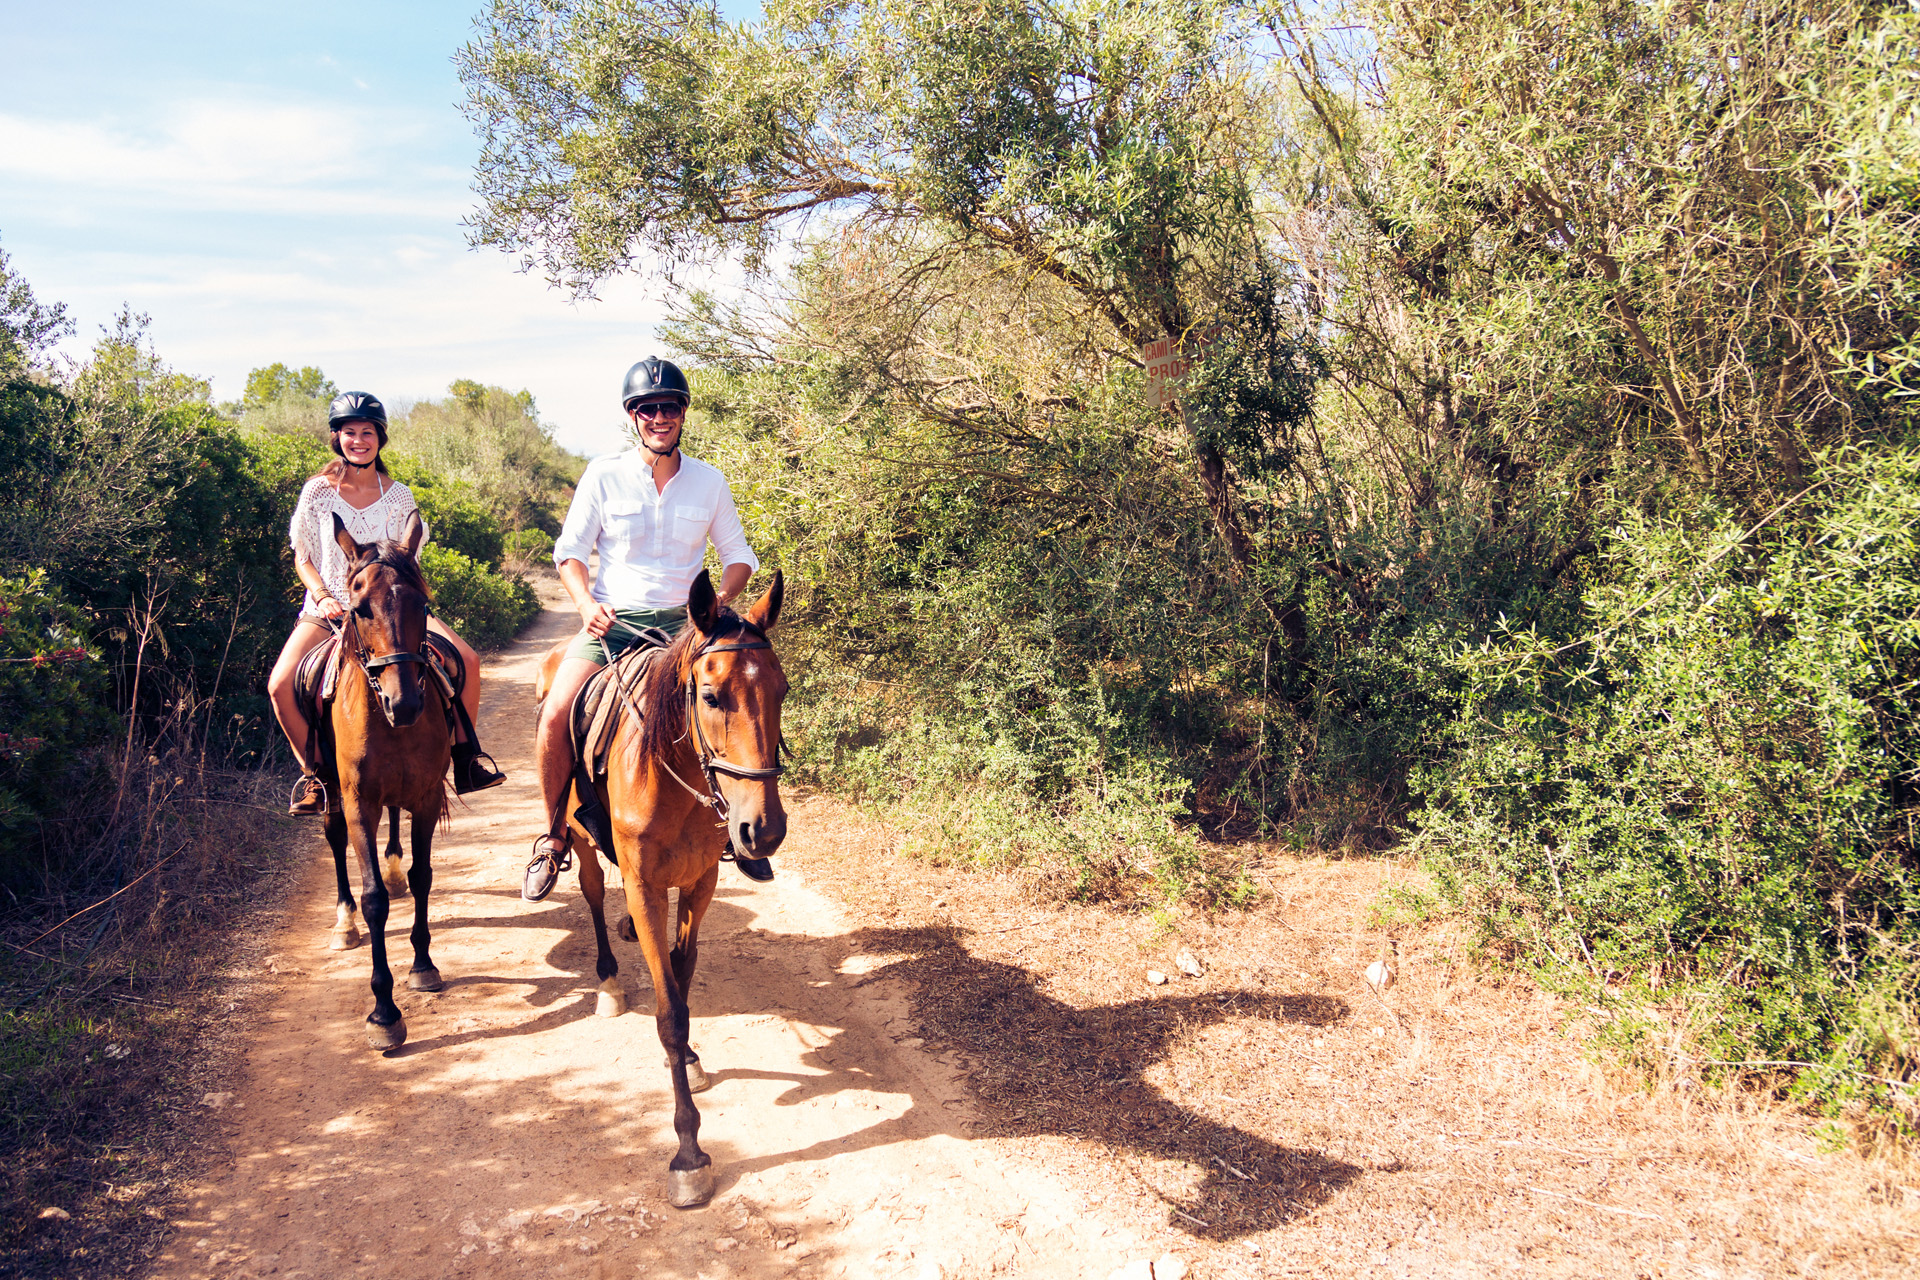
point(626, 526)
point(690, 530)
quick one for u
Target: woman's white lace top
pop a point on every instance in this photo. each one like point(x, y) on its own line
point(312, 530)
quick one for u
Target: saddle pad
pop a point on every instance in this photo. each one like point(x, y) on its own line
point(597, 709)
point(315, 678)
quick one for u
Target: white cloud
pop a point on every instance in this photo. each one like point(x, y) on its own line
point(254, 229)
point(402, 322)
point(241, 153)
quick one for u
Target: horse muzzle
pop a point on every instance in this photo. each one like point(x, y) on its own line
point(757, 835)
point(402, 712)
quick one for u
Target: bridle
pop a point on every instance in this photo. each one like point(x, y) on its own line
point(712, 763)
point(371, 664)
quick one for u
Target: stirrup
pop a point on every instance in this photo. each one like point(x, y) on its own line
point(299, 795)
point(468, 777)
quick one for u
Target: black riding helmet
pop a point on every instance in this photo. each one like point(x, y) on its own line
point(351, 405)
point(654, 379)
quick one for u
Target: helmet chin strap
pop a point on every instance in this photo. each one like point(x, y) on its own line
point(640, 438)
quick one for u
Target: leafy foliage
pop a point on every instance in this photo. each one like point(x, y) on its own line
point(455, 518)
point(483, 606)
point(28, 328)
point(491, 442)
point(1718, 789)
point(55, 701)
point(278, 382)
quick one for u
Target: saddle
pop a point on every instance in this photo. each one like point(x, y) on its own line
point(596, 714)
point(316, 679)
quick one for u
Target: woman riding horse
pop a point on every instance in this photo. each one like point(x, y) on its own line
point(373, 507)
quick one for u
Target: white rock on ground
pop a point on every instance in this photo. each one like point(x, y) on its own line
point(1171, 1266)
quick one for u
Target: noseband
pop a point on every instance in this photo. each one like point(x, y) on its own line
point(370, 665)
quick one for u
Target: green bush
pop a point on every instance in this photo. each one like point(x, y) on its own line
point(529, 546)
point(456, 519)
point(483, 606)
point(1709, 803)
point(55, 703)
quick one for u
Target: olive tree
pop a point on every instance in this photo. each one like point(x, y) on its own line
point(1112, 147)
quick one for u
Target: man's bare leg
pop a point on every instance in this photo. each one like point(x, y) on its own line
point(553, 750)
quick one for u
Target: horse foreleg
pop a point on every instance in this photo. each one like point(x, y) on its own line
point(424, 976)
point(391, 870)
point(612, 1001)
point(343, 935)
point(690, 1172)
point(385, 1027)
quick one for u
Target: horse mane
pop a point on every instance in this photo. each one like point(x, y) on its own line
point(394, 556)
point(663, 702)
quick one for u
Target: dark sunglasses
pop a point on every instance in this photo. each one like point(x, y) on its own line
point(659, 409)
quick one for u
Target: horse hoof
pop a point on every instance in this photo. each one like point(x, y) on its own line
point(627, 930)
point(425, 980)
point(396, 879)
point(343, 940)
point(387, 1037)
point(612, 1001)
point(690, 1188)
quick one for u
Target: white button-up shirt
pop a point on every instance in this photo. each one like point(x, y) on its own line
point(651, 542)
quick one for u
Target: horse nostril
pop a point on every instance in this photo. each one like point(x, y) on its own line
point(743, 837)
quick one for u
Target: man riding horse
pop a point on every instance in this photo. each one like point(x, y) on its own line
point(650, 512)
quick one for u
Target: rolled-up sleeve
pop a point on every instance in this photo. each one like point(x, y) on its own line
point(582, 528)
point(729, 538)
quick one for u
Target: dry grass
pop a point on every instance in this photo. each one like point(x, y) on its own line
point(1275, 1116)
point(115, 1021)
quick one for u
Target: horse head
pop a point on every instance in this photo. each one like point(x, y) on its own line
point(386, 623)
point(734, 688)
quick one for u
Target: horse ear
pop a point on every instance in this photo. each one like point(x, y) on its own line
point(766, 610)
point(340, 535)
point(412, 535)
point(703, 607)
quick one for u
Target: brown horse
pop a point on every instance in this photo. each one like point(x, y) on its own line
point(385, 745)
point(697, 765)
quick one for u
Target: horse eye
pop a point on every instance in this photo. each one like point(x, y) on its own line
point(709, 697)
point(363, 609)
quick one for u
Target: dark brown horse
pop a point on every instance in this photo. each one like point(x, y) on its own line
point(697, 765)
point(385, 745)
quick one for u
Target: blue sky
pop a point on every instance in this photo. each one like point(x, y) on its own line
point(274, 182)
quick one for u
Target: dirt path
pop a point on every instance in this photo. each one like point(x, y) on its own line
point(517, 1133)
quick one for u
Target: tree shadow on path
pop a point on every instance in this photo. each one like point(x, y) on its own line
point(1045, 1067)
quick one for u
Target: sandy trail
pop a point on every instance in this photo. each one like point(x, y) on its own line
point(516, 1133)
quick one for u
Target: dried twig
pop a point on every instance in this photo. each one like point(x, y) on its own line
point(109, 898)
point(1594, 1204)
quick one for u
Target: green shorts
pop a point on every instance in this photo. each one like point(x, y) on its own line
point(621, 638)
